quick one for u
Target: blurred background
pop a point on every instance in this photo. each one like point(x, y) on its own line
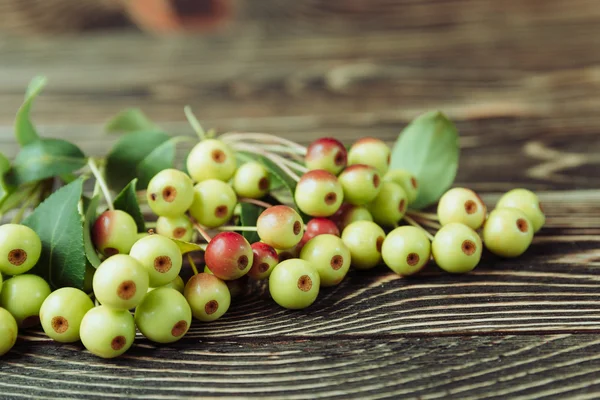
point(517, 76)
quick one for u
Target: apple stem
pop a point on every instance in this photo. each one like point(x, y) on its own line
point(275, 148)
point(237, 228)
point(427, 223)
point(255, 202)
point(416, 224)
point(292, 164)
point(262, 137)
point(273, 157)
point(423, 215)
point(194, 122)
point(200, 229)
point(101, 183)
point(192, 264)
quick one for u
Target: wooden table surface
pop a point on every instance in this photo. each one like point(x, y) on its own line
point(521, 79)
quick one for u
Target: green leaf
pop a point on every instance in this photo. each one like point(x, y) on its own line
point(4, 164)
point(138, 155)
point(5, 189)
point(428, 147)
point(58, 223)
point(248, 217)
point(127, 201)
point(90, 218)
point(188, 247)
point(25, 132)
point(130, 120)
point(160, 158)
point(46, 158)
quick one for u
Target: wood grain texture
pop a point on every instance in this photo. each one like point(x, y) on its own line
point(469, 367)
point(521, 81)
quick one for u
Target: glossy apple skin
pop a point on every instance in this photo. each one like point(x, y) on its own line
point(361, 183)
point(319, 193)
point(280, 226)
point(265, 259)
point(370, 151)
point(229, 256)
point(326, 153)
point(320, 226)
point(349, 213)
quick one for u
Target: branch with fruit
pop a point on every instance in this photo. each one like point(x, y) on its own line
point(258, 206)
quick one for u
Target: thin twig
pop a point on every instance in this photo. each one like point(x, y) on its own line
point(237, 228)
point(262, 137)
point(423, 215)
point(19, 215)
point(194, 122)
point(255, 202)
point(292, 164)
point(200, 229)
point(273, 157)
point(428, 223)
point(101, 182)
point(415, 224)
point(192, 264)
point(275, 148)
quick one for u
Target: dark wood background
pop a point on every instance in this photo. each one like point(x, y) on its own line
point(521, 79)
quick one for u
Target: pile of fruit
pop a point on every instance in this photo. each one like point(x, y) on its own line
point(259, 207)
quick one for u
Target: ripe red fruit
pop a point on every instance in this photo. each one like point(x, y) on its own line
point(320, 226)
point(328, 154)
point(265, 259)
point(229, 255)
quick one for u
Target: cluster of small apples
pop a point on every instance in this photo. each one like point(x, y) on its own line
point(121, 283)
point(353, 204)
point(507, 231)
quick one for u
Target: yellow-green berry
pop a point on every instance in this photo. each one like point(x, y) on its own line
point(23, 296)
point(364, 239)
point(179, 227)
point(251, 180)
point(208, 296)
point(507, 232)
point(164, 316)
point(107, 332)
point(211, 159)
point(330, 256)
point(406, 250)
point(405, 179)
point(526, 201)
point(20, 249)
point(370, 151)
point(214, 202)
point(160, 256)
point(294, 284)
point(170, 193)
point(390, 205)
point(8, 331)
point(62, 312)
point(456, 248)
point(463, 206)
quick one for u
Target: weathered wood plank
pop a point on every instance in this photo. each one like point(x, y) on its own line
point(522, 85)
point(555, 366)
